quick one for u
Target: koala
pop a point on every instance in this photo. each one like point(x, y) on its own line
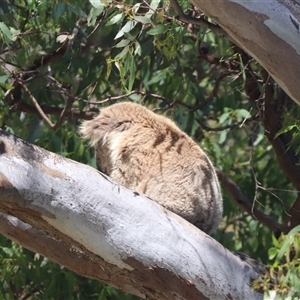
point(148, 153)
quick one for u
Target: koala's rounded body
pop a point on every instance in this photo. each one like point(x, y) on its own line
point(150, 154)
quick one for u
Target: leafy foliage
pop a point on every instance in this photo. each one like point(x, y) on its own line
point(80, 56)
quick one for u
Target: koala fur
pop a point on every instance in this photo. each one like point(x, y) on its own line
point(148, 153)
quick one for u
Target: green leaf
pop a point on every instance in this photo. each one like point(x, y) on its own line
point(14, 33)
point(143, 20)
point(242, 114)
point(123, 43)
point(130, 67)
point(115, 19)
point(58, 10)
point(153, 6)
point(284, 248)
point(3, 78)
point(135, 8)
point(222, 137)
point(5, 31)
point(295, 230)
point(76, 10)
point(285, 129)
point(126, 28)
point(224, 117)
point(8, 251)
point(93, 15)
point(6, 86)
point(138, 49)
point(129, 26)
point(158, 29)
point(97, 3)
point(272, 253)
point(123, 52)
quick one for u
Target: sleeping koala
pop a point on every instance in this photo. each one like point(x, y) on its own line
point(148, 153)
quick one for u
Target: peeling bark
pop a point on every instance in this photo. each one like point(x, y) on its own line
point(129, 241)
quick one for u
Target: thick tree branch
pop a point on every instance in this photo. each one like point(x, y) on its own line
point(56, 250)
point(137, 245)
point(256, 26)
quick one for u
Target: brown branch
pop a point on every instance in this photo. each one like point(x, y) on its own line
point(13, 96)
point(244, 202)
point(55, 111)
point(144, 94)
point(213, 60)
point(213, 92)
point(272, 121)
point(229, 126)
point(196, 21)
point(37, 106)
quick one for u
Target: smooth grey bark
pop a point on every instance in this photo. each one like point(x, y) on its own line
point(268, 30)
point(132, 242)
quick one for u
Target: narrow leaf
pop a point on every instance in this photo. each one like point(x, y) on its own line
point(58, 10)
point(96, 3)
point(115, 19)
point(126, 28)
point(158, 29)
point(5, 30)
point(123, 43)
point(143, 20)
point(123, 52)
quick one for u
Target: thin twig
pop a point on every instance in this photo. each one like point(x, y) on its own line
point(55, 111)
point(244, 202)
point(42, 113)
point(213, 93)
point(241, 123)
point(144, 94)
point(36, 104)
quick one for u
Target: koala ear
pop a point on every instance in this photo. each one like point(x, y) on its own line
point(97, 129)
point(91, 131)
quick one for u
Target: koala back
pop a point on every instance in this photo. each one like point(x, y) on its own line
point(150, 154)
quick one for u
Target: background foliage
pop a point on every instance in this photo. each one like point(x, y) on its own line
point(73, 58)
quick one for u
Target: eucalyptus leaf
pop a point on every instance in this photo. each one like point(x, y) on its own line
point(123, 43)
point(115, 19)
point(5, 31)
point(158, 29)
point(97, 3)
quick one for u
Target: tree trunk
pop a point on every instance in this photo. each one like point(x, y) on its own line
point(82, 220)
point(268, 30)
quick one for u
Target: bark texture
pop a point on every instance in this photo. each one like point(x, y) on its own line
point(125, 239)
point(268, 30)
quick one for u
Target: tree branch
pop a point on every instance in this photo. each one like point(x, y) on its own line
point(243, 201)
point(55, 111)
point(256, 26)
point(136, 244)
point(271, 119)
point(56, 250)
point(229, 126)
point(196, 21)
